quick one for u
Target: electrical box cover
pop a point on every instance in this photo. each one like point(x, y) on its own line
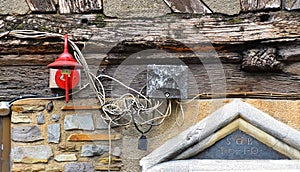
point(167, 81)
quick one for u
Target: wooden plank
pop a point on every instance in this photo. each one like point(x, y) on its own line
point(41, 5)
point(67, 108)
point(226, 77)
point(250, 28)
point(27, 60)
point(6, 163)
point(113, 159)
point(93, 137)
point(107, 168)
point(79, 6)
point(1, 142)
point(32, 46)
point(18, 81)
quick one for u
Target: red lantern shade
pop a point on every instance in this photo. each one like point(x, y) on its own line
point(65, 60)
point(66, 77)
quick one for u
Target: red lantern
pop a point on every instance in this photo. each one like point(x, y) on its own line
point(66, 77)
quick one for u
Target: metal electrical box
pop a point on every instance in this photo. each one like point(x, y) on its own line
point(167, 81)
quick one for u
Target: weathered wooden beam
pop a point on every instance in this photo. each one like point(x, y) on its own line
point(18, 81)
point(289, 52)
point(206, 79)
point(127, 49)
point(258, 27)
point(40, 60)
point(108, 168)
point(229, 37)
point(32, 46)
point(27, 60)
point(66, 108)
point(93, 137)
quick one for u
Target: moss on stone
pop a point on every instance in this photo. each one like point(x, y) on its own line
point(235, 20)
point(20, 26)
point(99, 21)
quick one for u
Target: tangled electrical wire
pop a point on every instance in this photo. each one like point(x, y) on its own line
point(136, 109)
point(127, 106)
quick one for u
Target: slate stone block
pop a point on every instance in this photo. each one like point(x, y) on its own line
point(93, 150)
point(40, 119)
point(65, 157)
point(20, 118)
point(67, 147)
point(55, 117)
point(54, 133)
point(28, 108)
point(100, 123)
point(26, 134)
point(116, 151)
point(32, 154)
point(82, 122)
point(79, 167)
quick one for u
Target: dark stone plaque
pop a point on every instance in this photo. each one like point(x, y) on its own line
point(239, 146)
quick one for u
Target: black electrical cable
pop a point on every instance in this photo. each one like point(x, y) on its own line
point(150, 127)
point(31, 96)
point(137, 127)
point(143, 143)
point(44, 97)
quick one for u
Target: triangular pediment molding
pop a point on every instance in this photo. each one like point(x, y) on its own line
point(241, 124)
point(237, 113)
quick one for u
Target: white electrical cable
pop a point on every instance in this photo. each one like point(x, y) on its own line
point(114, 109)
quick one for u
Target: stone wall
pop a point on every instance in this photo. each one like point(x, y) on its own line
point(56, 140)
point(141, 8)
point(78, 140)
